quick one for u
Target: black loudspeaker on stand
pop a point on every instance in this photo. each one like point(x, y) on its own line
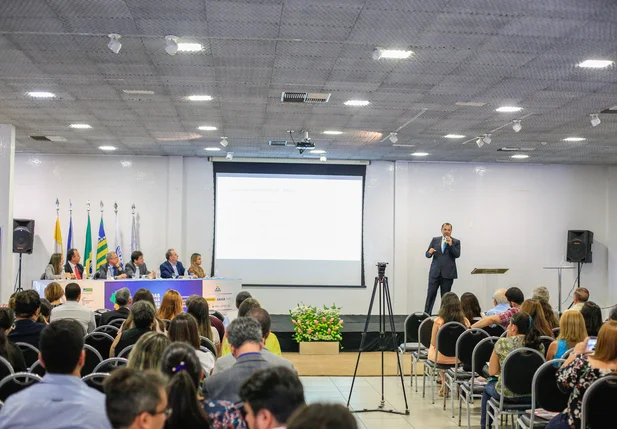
point(385, 304)
point(23, 242)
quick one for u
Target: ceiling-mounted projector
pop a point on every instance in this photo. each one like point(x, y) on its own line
point(305, 143)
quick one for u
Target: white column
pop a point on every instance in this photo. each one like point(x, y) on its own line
point(402, 218)
point(175, 196)
point(7, 162)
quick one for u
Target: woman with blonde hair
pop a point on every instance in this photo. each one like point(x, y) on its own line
point(54, 270)
point(148, 351)
point(171, 305)
point(196, 269)
point(54, 294)
point(534, 309)
point(572, 331)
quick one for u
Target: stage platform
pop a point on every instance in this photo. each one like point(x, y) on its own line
point(352, 333)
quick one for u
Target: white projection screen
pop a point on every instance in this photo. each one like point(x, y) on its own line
point(289, 224)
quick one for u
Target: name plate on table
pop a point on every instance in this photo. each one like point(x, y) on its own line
point(489, 270)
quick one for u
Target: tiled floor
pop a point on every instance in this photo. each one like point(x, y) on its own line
point(367, 394)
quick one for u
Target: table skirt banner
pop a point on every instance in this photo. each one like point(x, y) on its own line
point(92, 293)
point(158, 288)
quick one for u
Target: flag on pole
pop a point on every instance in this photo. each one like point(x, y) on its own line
point(101, 246)
point(118, 241)
point(57, 236)
point(69, 243)
point(134, 245)
point(88, 250)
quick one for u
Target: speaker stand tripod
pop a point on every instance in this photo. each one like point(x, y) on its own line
point(18, 287)
point(385, 303)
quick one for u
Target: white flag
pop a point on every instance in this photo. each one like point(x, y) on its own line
point(118, 241)
point(134, 245)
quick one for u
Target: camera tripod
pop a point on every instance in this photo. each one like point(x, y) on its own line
point(385, 303)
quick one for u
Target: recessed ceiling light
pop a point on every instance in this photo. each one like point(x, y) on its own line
point(41, 94)
point(419, 154)
point(190, 47)
point(212, 149)
point(80, 126)
point(454, 136)
point(335, 133)
point(207, 128)
point(574, 139)
point(357, 103)
point(138, 91)
point(318, 151)
point(379, 53)
point(520, 156)
point(508, 109)
point(595, 64)
point(323, 158)
point(107, 148)
point(200, 97)
point(470, 103)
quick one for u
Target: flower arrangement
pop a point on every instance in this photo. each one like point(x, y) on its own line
point(317, 323)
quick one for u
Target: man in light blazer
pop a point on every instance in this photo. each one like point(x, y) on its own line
point(246, 342)
point(171, 266)
point(444, 250)
point(113, 263)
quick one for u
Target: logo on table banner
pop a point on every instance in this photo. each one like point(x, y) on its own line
point(112, 299)
point(217, 289)
point(210, 299)
point(221, 299)
point(87, 289)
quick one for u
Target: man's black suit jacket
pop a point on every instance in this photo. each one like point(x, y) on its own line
point(444, 263)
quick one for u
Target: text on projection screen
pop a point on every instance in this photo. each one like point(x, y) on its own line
point(277, 229)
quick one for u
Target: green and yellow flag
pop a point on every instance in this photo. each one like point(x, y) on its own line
point(88, 251)
point(101, 246)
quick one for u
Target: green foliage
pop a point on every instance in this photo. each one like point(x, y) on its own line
point(316, 323)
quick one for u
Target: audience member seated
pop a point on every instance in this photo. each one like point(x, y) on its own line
point(583, 368)
point(190, 410)
point(592, 314)
point(581, 296)
point(534, 309)
point(72, 309)
point(450, 311)
point(171, 268)
point(61, 399)
point(500, 303)
point(541, 294)
point(148, 351)
point(54, 293)
point(272, 342)
point(195, 270)
point(233, 315)
point(55, 268)
point(184, 329)
point(137, 263)
point(45, 312)
point(270, 397)
point(323, 416)
point(263, 317)
point(521, 333)
point(171, 305)
point(572, 331)
point(72, 266)
point(515, 299)
point(613, 314)
point(246, 341)
point(11, 303)
point(136, 400)
point(8, 350)
point(27, 308)
point(198, 307)
point(471, 307)
point(143, 319)
point(123, 301)
point(112, 266)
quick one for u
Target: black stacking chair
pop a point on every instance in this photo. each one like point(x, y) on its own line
point(31, 353)
point(108, 329)
point(217, 314)
point(108, 365)
point(37, 369)
point(95, 380)
point(494, 330)
point(6, 368)
point(15, 383)
point(101, 342)
point(410, 336)
point(125, 352)
point(205, 342)
point(425, 331)
point(93, 358)
point(598, 403)
point(546, 341)
point(117, 323)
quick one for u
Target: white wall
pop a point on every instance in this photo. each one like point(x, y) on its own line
point(515, 216)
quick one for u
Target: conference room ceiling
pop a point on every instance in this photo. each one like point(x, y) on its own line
point(501, 53)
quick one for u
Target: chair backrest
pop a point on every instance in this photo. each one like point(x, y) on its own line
point(31, 353)
point(546, 340)
point(412, 323)
point(108, 365)
point(6, 368)
point(447, 336)
point(545, 391)
point(425, 332)
point(598, 403)
point(217, 314)
point(97, 319)
point(93, 358)
point(494, 330)
point(15, 383)
point(466, 343)
point(556, 330)
point(567, 353)
point(124, 353)
point(100, 341)
point(108, 329)
point(117, 322)
point(37, 369)
point(518, 369)
point(205, 342)
point(481, 354)
point(95, 380)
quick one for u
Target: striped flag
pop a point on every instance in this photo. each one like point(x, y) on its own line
point(88, 251)
point(57, 236)
point(101, 246)
point(69, 243)
point(134, 245)
point(118, 241)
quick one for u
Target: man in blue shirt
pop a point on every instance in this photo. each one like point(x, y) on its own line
point(500, 302)
point(61, 400)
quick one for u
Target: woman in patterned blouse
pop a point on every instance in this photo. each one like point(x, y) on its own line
point(583, 368)
point(521, 333)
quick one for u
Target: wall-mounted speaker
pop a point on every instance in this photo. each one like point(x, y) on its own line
point(23, 235)
point(579, 246)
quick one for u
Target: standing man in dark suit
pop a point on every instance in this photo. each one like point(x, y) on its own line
point(172, 267)
point(73, 266)
point(444, 250)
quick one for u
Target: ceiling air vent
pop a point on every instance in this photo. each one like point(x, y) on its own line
point(277, 142)
point(48, 138)
point(610, 110)
point(304, 97)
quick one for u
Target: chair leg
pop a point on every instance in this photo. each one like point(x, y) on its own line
point(444, 385)
point(453, 390)
point(469, 412)
point(460, 409)
point(423, 381)
point(433, 386)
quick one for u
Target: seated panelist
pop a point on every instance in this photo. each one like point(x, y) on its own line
point(172, 268)
point(113, 265)
point(137, 263)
